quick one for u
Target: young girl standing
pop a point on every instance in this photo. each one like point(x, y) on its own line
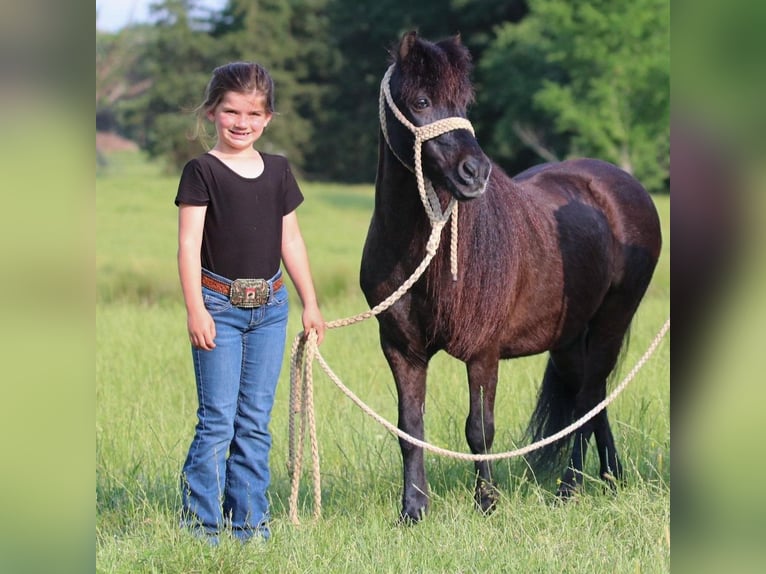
point(236, 222)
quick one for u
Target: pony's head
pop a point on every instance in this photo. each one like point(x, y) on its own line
point(430, 91)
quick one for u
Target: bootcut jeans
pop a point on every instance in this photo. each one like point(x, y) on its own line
point(226, 474)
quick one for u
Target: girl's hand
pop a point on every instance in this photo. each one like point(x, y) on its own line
point(201, 329)
point(312, 319)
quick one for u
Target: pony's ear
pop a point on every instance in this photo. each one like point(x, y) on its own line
point(408, 41)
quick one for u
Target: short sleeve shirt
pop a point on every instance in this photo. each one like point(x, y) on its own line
point(242, 236)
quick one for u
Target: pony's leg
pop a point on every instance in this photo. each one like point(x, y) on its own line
point(480, 426)
point(611, 467)
point(603, 344)
point(561, 393)
point(572, 477)
point(410, 377)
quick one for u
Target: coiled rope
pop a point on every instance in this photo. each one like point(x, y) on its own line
point(305, 350)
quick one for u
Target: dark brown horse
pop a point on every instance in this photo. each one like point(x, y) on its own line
point(556, 259)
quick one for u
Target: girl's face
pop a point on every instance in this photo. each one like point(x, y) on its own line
point(239, 121)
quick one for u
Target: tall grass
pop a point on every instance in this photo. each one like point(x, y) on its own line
point(146, 404)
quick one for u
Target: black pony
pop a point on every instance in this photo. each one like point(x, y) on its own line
point(556, 259)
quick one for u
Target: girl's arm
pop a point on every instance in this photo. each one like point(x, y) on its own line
point(191, 220)
point(296, 262)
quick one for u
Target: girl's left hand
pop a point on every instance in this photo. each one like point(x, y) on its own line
point(312, 319)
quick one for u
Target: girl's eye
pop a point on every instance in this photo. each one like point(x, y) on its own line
point(422, 103)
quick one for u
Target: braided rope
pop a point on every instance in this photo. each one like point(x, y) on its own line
point(302, 402)
point(513, 453)
point(303, 378)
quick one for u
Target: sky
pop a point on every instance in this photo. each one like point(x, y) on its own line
point(112, 15)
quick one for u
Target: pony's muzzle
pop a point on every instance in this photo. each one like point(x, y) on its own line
point(472, 175)
point(470, 171)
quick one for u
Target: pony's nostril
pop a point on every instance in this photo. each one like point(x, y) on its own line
point(469, 169)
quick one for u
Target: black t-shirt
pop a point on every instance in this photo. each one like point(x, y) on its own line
point(242, 236)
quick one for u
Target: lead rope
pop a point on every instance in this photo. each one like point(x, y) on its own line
point(301, 378)
point(304, 349)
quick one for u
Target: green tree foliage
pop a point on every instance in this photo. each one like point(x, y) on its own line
point(178, 57)
point(187, 44)
point(584, 79)
point(119, 74)
point(362, 32)
point(553, 78)
point(287, 37)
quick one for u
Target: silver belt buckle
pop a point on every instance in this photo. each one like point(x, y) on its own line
point(249, 293)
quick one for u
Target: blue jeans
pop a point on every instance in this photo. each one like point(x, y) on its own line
point(226, 473)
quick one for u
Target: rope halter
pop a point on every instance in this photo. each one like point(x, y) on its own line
point(428, 197)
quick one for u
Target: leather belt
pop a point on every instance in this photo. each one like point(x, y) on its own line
point(224, 288)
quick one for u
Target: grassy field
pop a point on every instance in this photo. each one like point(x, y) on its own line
point(145, 402)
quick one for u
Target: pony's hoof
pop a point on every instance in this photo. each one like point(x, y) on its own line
point(612, 483)
point(486, 497)
point(566, 491)
point(412, 517)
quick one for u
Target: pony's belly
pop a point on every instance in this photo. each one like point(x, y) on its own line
point(539, 332)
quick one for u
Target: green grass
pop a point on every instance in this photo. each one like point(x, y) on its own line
point(146, 404)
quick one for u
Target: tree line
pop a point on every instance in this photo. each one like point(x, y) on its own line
point(553, 78)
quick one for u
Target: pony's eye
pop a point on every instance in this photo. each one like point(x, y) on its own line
point(422, 103)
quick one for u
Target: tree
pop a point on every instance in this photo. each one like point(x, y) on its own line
point(118, 75)
point(360, 34)
point(553, 79)
point(288, 38)
point(187, 43)
point(178, 55)
point(579, 78)
point(326, 57)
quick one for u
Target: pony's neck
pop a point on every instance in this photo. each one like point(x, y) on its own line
point(396, 191)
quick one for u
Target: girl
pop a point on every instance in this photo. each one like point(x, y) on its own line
point(236, 221)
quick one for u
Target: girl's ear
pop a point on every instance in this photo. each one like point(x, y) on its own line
point(210, 114)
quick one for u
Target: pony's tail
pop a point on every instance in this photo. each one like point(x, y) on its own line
point(554, 411)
